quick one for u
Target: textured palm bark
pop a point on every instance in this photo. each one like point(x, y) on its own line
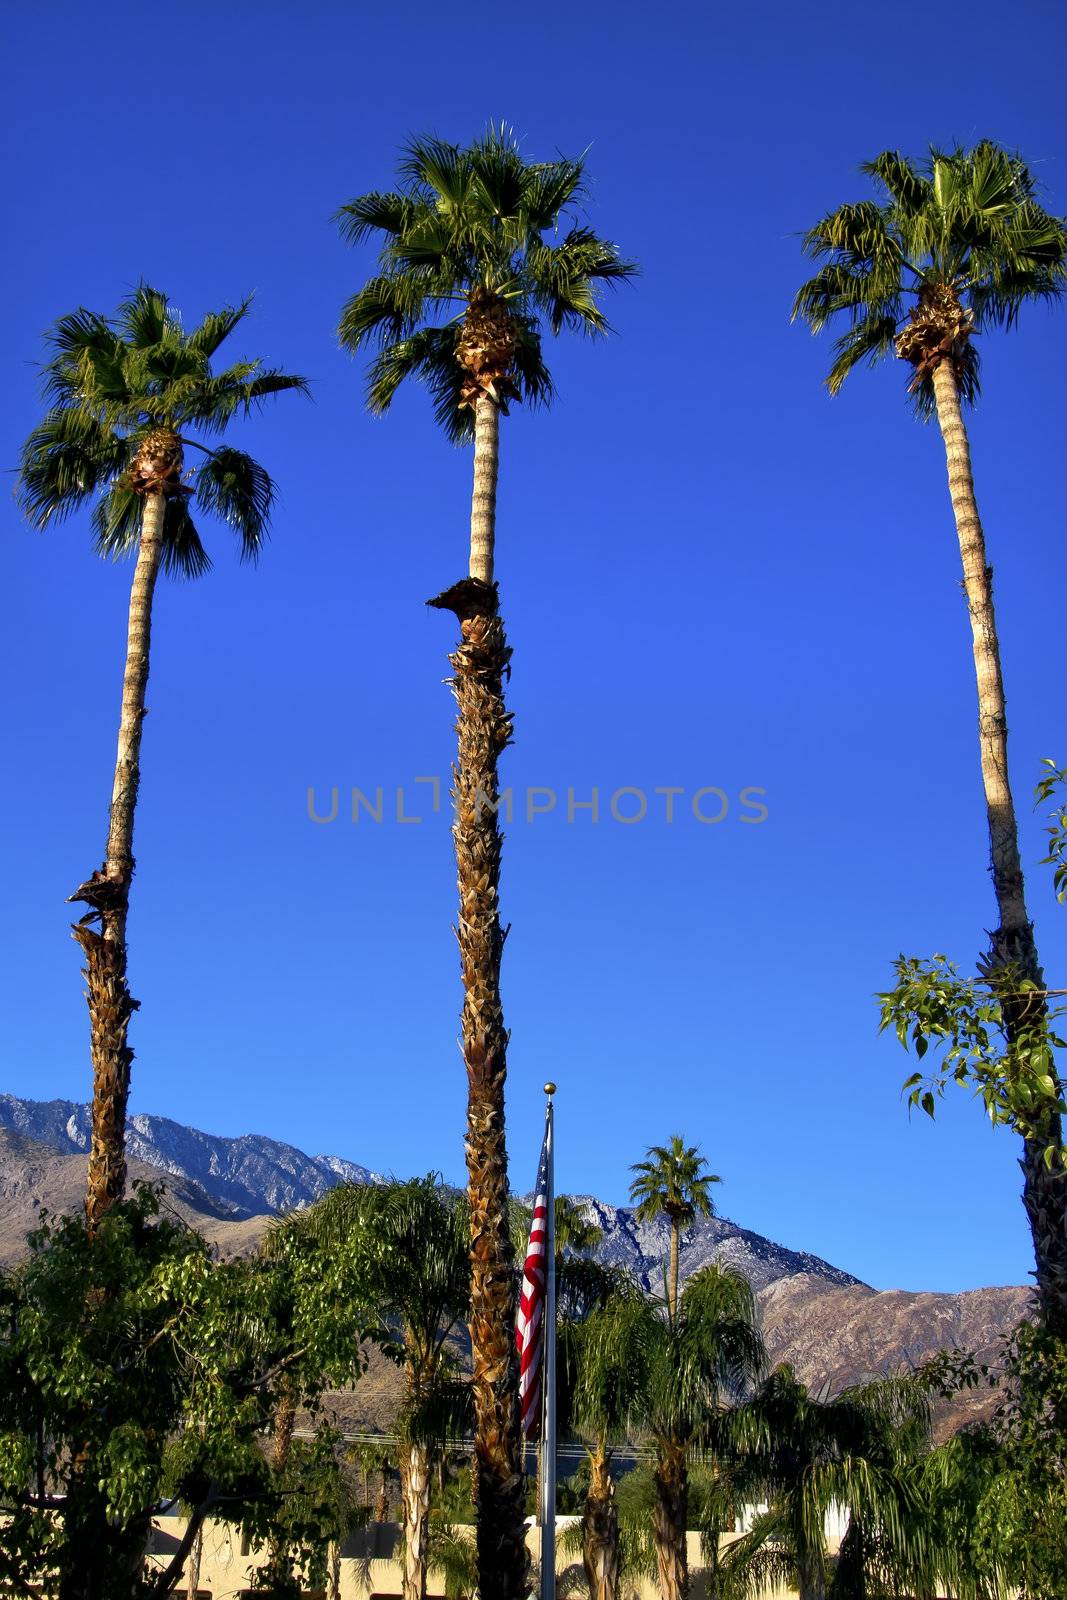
point(483, 499)
point(1013, 944)
point(381, 1501)
point(811, 1577)
point(600, 1531)
point(415, 1488)
point(107, 893)
point(484, 729)
point(669, 1519)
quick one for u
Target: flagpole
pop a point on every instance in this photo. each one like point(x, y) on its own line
point(547, 1510)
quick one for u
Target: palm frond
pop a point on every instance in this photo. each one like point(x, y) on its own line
point(67, 458)
point(216, 327)
point(374, 213)
point(906, 186)
point(387, 308)
point(183, 554)
point(966, 225)
point(550, 187)
point(868, 340)
point(117, 522)
point(146, 318)
point(437, 168)
point(466, 225)
point(232, 486)
point(565, 277)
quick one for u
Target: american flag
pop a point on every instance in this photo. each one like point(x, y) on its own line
point(528, 1323)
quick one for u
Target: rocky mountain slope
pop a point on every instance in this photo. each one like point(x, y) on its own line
point(243, 1177)
point(834, 1329)
point(237, 1179)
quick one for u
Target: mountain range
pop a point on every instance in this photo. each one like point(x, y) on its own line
point(831, 1326)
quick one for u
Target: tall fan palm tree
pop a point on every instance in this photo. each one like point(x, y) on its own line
point(473, 269)
point(674, 1183)
point(125, 397)
point(410, 1243)
point(955, 247)
point(709, 1350)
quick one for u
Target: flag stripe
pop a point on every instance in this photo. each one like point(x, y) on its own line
point(528, 1323)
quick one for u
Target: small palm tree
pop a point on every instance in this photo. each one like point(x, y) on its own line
point(410, 1243)
point(952, 248)
point(607, 1366)
point(673, 1183)
point(126, 395)
point(859, 1452)
point(708, 1351)
point(473, 270)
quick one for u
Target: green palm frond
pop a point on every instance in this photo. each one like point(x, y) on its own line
point(373, 213)
point(117, 522)
point(909, 189)
point(387, 308)
point(183, 554)
point(110, 382)
point(673, 1182)
point(211, 402)
point(469, 222)
point(551, 187)
point(237, 490)
point(64, 462)
point(117, 528)
point(436, 169)
point(146, 319)
point(965, 222)
point(217, 327)
point(869, 339)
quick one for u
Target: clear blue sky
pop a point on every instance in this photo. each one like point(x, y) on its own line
point(712, 575)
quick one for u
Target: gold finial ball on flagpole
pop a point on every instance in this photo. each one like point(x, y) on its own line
point(550, 1088)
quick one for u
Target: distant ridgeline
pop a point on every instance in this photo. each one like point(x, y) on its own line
point(252, 1176)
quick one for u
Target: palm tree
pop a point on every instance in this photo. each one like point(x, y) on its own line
point(956, 247)
point(606, 1365)
point(466, 285)
point(708, 1351)
point(411, 1243)
point(860, 1452)
point(125, 394)
point(673, 1183)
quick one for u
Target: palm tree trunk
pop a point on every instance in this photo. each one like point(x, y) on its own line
point(669, 1519)
point(600, 1531)
point(483, 725)
point(811, 1579)
point(673, 1291)
point(416, 1514)
point(483, 499)
point(1013, 944)
point(107, 894)
point(334, 1565)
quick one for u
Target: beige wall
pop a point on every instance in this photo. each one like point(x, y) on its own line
point(368, 1570)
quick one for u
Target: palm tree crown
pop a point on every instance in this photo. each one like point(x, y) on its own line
point(125, 393)
point(956, 245)
point(464, 239)
point(674, 1183)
